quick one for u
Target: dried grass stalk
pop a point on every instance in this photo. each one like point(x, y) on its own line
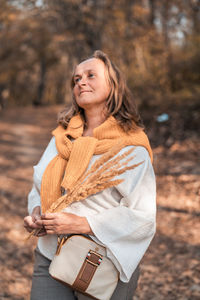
point(96, 179)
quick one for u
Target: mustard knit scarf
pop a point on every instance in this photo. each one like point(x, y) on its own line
point(73, 157)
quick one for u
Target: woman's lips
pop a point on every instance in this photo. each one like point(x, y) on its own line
point(85, 92)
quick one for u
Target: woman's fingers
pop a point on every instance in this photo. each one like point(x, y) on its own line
point(42, 232)
point(49, 231)
point(36, 217)
point(59, 223)
point(29, 229)
point(28, 221)
point(49, 225)
point(45, 222)
point(29, 224)
point(48, 219)
point(49, 216)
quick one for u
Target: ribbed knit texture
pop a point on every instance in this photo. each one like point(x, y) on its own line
point(73, 157)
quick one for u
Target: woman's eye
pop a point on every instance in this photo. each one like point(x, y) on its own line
point(91, 75)
point(76, 79)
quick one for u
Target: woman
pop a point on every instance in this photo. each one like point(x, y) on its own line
point(121, 218)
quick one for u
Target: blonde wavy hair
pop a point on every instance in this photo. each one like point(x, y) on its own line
point(120, 103)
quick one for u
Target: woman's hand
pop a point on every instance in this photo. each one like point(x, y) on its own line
point(64, 223)
point(30, 222)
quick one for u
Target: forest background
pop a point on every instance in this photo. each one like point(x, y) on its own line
point(156, 45)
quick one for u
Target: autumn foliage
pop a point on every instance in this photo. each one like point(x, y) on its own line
point(155, 43)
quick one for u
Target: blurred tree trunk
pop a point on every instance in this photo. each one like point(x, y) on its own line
point(152, 5)
point(2, 100)
point(166, 6)
point(94, 31)
point(41, 87)
point(139, 53)
point(195, 12)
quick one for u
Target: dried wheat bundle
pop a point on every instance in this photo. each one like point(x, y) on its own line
point(96, 179)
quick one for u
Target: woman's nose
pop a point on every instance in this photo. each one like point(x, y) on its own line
point(82, 81)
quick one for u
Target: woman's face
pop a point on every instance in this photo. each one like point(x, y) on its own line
point(91, 87)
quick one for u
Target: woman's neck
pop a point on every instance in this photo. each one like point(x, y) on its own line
point(93, 121)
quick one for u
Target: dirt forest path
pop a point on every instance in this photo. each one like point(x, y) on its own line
point(170, 269)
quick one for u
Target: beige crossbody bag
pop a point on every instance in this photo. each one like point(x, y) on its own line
point(82, 264)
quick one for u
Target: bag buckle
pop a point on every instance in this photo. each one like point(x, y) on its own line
point(91, 256)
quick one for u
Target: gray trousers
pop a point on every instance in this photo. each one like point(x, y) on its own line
point(44, 287)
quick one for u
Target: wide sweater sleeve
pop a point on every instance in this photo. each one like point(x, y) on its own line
point(38, 170)
point(127, 230)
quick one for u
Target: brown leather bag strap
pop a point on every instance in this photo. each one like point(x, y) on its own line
point(87, 271)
